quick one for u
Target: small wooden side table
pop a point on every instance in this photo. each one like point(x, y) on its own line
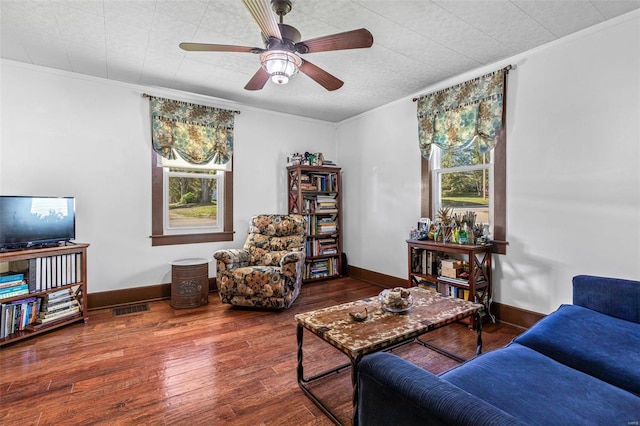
point(189, 283)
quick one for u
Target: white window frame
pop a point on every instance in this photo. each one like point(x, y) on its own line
point(219, 177)
point(436, 182)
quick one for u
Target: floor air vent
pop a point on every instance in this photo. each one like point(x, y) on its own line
point(130, 309)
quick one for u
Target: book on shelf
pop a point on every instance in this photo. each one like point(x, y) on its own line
point(8, 277)
point(58, 305)
point(60, 313)
point(326, 251)
point(8, 284)
point(460, 281)
point(429, 286)
point(13, 291)
point(324, 182)
point(416, 262)
point(17, 315)
point(457, 281)
point(54, 271)
point(322, 268)
point(59, 293)
point(42, 325)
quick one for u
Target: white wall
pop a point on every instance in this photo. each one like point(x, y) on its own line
point(67, 134)
point(381, 186)
point(573, 169)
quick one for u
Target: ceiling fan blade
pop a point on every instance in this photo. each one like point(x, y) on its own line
point(258, 80)
point(355, 39)
point(320, 76)
point(207, 47)
point(261, 12)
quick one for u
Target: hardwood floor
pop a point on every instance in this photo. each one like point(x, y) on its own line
point(203, 366)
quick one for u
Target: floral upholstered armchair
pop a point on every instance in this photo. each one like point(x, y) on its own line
point(267, 272)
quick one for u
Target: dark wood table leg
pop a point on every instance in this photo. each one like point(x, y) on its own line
point(354, 382)
point(479, 335)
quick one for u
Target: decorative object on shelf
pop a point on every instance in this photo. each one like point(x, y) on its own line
point(395, 300)
point(306, 159)
point(450, 227)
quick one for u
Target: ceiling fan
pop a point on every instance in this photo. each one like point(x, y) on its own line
point(280, 59)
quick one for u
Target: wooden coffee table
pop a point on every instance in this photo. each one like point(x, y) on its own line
point(381, 330)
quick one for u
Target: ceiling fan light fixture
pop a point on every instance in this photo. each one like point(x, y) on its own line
point(280, 64)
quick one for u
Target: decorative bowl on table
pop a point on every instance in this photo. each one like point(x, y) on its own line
point(396, 299)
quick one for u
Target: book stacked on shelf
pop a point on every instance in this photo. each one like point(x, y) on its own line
point(18, 315)
point(322, 268)
point(458, 281)
point(325, 182)
point(326, 225)
point(58, 306)
point(54, 271)
point(454, 291)
point(322, 247)
point(424, 262)
point(12, 284)
point(308, 205)
point(306, 184)
point(327, 246)
point(325, 204)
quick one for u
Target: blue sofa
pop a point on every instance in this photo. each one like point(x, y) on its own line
point(580, 365)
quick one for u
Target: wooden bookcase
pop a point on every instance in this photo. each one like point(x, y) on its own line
point(314, 191)
point(424, 265)
point(48, 270)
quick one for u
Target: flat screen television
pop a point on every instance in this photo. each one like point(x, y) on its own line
point(36, 221)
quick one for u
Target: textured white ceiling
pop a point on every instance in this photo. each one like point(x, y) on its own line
point(416, 43)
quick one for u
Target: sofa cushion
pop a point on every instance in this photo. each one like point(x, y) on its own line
point(600, 345)
point(541, 391)
point(617, 297)
point(392, 391)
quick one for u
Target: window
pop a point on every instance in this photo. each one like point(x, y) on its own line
point(190, 205)
point(192, 200)
point(462, 182)
point(496, 173)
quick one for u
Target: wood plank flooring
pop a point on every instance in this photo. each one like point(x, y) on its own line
point(212, 365)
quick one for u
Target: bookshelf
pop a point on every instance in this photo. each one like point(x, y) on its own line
point(56, 281)
point(457, 270)
point(314, 191)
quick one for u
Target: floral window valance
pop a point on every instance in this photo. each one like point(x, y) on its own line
point(470, 112)
point(197, 134)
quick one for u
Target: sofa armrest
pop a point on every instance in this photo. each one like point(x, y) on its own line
point(292, 257)
point(236, 258)
point(394, 391)
point(615, 297)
